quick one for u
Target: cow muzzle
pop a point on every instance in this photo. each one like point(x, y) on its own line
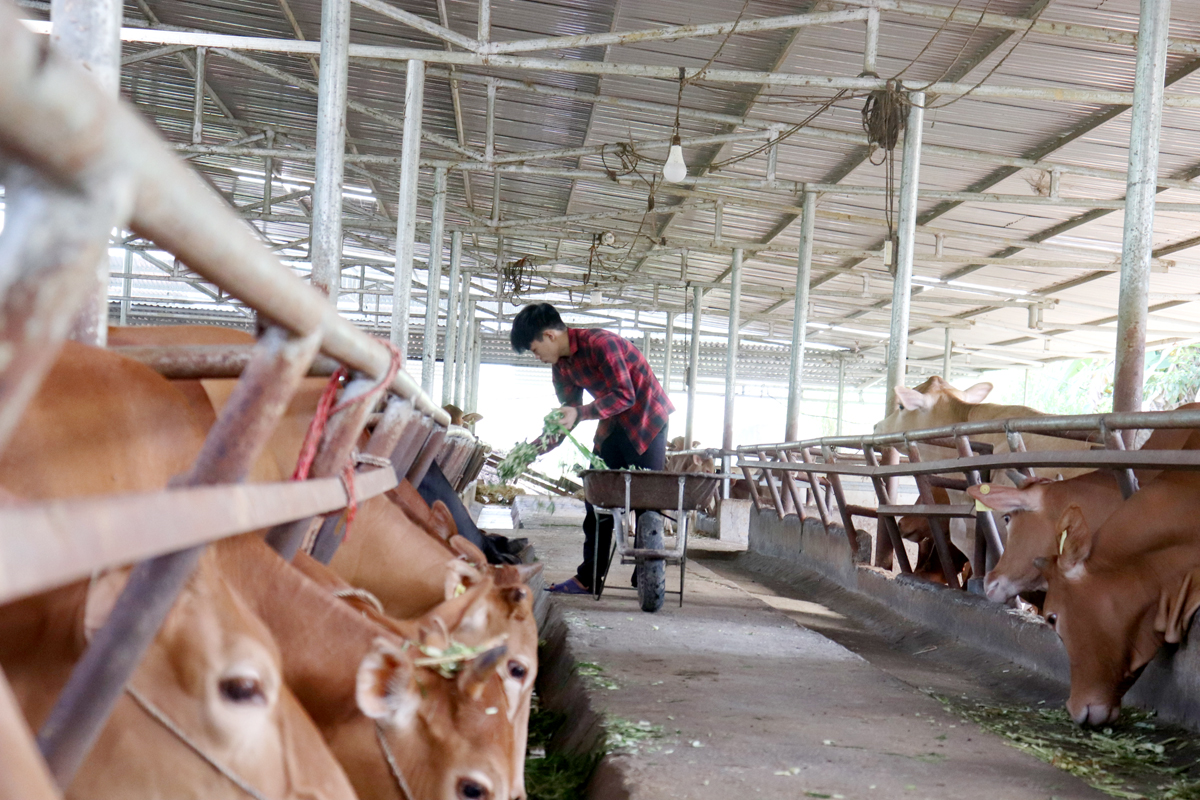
point(1093, 714)
point(999, 588)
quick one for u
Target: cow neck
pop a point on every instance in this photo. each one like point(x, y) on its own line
point(322, 640)
point(160, 716)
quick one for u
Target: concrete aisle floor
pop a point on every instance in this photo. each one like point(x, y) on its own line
point(752, 702)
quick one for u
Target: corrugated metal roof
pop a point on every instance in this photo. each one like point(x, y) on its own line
point(986, 304)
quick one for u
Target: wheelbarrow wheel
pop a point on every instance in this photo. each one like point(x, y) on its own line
point(651, 574)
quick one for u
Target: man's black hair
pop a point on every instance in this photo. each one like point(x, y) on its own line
point(531, 322)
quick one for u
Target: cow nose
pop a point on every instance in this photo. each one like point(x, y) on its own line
point(998, 588)
point(1094, 714)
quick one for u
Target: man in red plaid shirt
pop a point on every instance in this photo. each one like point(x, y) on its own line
point(628, 400)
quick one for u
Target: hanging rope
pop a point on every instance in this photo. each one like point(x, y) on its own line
point(316, 429)
point(883, 120)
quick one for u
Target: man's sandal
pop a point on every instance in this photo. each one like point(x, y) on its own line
point(570, 586)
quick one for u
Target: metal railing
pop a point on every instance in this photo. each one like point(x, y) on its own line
point(778, 473)
point(75, 165)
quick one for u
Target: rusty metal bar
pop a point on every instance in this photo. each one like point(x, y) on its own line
point(195, 361)
point(753, 489)
point(887, 522)
point(67, 540)
point(1094, 459)
point(229, 451)
point(985, 520)
point(822, 505)
point(924, 509)
point(940, 538)
point(358, 400)
point(794, 490)
point(829, 456)
point(53, 238)
point(1126, 478)
point(770, 478)
point(417, 472)
point(23, 773)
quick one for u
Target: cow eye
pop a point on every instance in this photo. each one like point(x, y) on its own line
point(242, 689)
point(1007, 518)
point(1052, 619)
point(517, 670)
point(472, 790)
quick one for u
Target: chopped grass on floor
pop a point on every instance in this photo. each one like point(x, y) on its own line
point(1136, 757)
point(594, 673)
point(553, 776)
point(626, 736)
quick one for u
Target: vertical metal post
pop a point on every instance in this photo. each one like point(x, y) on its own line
point(800, 317)
point(946, 356)
point(668, 352)
point(466, 316)
point(489, 134)
point(433, 282)
point(476, 361)
point(450, 353)
point(198, 102)
point(485, 21)
point(735, 303)
point(406, 211)
point(269, 176)
point(693, 364)
point(773, 157)
point(126, 287)
point(1141, 186)
point(902, 286)
point(332, 90)
point(841, 395)
point(871, 46)
point(88, 33)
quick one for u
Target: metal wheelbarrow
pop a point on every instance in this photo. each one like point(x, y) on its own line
point(637, 500)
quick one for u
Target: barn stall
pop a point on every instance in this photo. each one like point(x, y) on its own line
point(875, 193)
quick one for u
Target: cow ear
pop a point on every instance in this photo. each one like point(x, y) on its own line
point(1074, 542)
point(102, 595)
point(1007, 499)
point(459, 576)
point(528, 571)
point(977, 393)
point(384, 687)
point(442, 521)
point(912, 400)
point(475, 675)
point(472, 418)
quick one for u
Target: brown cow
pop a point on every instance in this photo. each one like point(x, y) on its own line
point(498, 607)
point(450, 738)
point(103, 424)
point(1117, 594)
point(1032, 511)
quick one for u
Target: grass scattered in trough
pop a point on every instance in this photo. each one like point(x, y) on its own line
point(1137, 757)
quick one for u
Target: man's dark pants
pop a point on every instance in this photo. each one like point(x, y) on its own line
point(618, 453)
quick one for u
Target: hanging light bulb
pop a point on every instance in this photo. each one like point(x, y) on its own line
point(675, 170)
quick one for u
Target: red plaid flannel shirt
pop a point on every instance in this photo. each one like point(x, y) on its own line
point(616, 374)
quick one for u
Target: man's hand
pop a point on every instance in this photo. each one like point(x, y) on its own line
point(570, 416)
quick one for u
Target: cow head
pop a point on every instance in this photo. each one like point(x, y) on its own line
point(1104, 617)
point(214, 672)
point(932, 404)
point(1031, 535)
point(449, 738)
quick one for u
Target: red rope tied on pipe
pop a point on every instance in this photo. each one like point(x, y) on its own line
point(316, 429)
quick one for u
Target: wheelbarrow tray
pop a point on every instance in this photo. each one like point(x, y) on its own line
point(648, 490)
